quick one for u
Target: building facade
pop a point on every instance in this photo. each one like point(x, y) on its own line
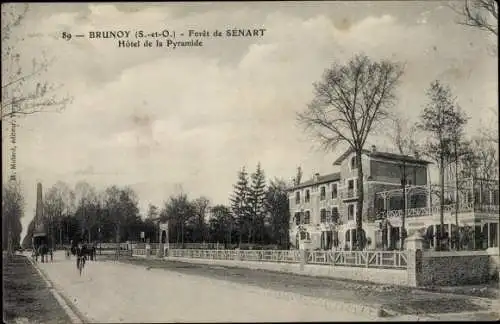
point(323, 209)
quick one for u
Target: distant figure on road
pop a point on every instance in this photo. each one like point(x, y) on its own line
point(51, 255)
point(80, 255)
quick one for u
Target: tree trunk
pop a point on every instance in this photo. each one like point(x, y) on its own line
point(457, 195)
point(182, 234)
point(359, 210)
point(441, 210)
point(403, 184)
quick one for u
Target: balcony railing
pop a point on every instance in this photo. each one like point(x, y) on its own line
point(450, 208)
point(487, 208)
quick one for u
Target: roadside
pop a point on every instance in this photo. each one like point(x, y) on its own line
point(397, 301)
point(26, 296)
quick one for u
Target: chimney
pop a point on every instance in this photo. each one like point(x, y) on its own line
point(316, 177)
point(374, 148)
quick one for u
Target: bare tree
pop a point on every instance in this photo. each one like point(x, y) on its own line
point(298, 176)
point(12, 212)
point(349, 102)
point(482, 14)
point(24, 91)
point(490, 132)
point(441, 120)
point(403, 135)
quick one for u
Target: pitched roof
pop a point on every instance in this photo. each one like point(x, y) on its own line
point(400, 157)
point(344, 156)
point(321, 179)
point(384, 155)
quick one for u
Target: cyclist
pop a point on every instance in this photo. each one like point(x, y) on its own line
point(80, 258)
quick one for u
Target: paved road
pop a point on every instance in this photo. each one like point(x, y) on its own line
point(118, 292)
point(401, 300)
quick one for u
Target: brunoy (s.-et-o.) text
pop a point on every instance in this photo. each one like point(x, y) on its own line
point(166, 38)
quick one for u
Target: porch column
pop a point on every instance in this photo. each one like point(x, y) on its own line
point(324, 239)
point(385, 204)
point(351, 234)
point(389, 237)
point(434, 227)
point(489, 237)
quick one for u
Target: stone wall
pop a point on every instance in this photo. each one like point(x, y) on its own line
point(454, 268)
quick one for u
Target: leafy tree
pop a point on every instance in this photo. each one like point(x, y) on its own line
point(440, 119)
point(177, 211)
point(152, 211)
point(197, 222)
point(222, 225)
point(349, 102)
point(12, 212)
point(277, 207)
point(257, 195)
point(240, 204)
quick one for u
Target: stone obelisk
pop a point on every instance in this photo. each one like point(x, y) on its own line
point(39, 229)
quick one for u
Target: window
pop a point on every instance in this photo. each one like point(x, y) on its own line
point(297, 197)
point(307, 218)
point(322, 214)
point(350, 212)
point(323, 193)
point(354, 163)
point(350, 185)
point(334, 190)
point(335, 215)
point(308, 196)
point(305, 236)
point(297, 218)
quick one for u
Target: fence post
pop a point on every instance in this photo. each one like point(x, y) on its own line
point(303, 260)
point(414, 247)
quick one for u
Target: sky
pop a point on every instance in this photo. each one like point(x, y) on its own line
point(158, 119)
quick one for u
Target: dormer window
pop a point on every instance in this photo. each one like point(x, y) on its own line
point(354, 163)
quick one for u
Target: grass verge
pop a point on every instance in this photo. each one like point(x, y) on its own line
point(26, 295)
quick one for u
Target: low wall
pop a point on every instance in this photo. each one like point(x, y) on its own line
point(452, 268)
point(381, 276)
point(402, 268)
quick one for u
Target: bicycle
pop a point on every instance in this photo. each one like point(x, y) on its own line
point(80, 263)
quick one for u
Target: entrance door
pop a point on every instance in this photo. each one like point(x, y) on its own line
point(163, 236)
